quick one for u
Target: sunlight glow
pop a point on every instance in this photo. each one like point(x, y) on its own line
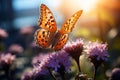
point(88, 5)
point(74, 5)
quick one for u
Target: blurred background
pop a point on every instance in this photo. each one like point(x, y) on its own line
point(100, 21)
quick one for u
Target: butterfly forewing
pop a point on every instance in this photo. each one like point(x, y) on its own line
point(47, 20)
point(69, 24)
point(66, 28)
point(43, 38)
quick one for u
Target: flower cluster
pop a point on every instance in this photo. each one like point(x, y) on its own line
point(75, 48)
point(97, 53)
point(97, 50)
point(37, 59)
point(6, 59)
point(53, 61)
point(15, 48)
point(60, 61)
point(3, 33)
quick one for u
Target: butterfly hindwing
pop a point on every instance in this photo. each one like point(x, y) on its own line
point(69, 24)
point(61, 41)
point(47, 20)
point(43, 38)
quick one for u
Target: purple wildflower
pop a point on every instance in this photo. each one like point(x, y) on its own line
point(3, 33)
point(15, 48)
point(6, 59)
point(37, 59)
point(53, 61)
point(75, 50)
point(63, 59)
point(27, 76)
point(97, 51)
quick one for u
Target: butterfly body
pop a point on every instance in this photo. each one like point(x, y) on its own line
point(48, 36)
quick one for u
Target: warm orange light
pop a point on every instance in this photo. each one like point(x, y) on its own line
point(88, 5)
point(74, 5)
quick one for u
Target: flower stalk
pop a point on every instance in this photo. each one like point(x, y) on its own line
point(52, 75)
point(78, 64)
point(95, 72)
point(75, 50)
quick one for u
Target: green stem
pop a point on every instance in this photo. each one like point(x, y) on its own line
point(78, 64)
point(104, 70)
point(95, 72)
point(53, 76)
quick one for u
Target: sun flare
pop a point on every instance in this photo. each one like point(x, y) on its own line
point(88, 5)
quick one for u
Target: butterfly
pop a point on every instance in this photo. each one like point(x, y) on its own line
point(48, 36)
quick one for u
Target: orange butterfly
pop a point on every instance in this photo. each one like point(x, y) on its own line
point(48, 36)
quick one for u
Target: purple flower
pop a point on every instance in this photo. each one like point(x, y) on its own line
point(15, 48)
point(64, 59)
point(6, 59)
point(3, 33)
point(75, 48)
point(53, 61)
point(27, 76)
point(40, 67)
point(38, 59)
point(97, 52)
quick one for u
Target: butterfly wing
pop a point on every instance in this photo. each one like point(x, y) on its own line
point(65, 29)
point(47, 20)
point(43, 38)
point(60, 41)
point(69, 24)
